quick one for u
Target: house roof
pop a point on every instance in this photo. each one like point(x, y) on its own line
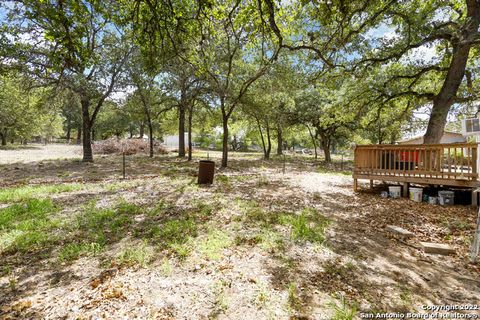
point(445, 133)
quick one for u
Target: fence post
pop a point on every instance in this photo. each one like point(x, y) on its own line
point(123, 167)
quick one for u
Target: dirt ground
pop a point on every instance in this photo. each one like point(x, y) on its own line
point(242, 258)
point(38, 152)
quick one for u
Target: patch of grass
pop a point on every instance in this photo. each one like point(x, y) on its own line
point(344, 311)
point(124, 207)
point(175, 235)
point(335, 267)
point(166, 267)
point(104, 224)
point(73, 251)
point(254, 215)
point(456, 225)
point(253, 212)
point(182, 250)
point(242, 178)
point(24, 193)
point(5, 270)
point(18, 240)
point(174, 231)
point(12, 283)
point(262, 297)
point(18, 214)
point(262, 181)
point(11, 147)
point(221, 301)
point(160, 208)
point(270, 240)
point(119, 185)
point(140, 255)
point(223, 179)
point(211, 247)
point(309, 225)
point(241, 240)
point(63, 174)
point(405, 297)
point(294, 300)
point(27, 226)
point(192, 186)
point(204, 209)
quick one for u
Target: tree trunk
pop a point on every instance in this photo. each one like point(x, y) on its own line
point(79, 135)
point(279, 141)
point(456, 71)
point(150, 135)
point(313, 141)
point(190, 144)
point(69, 131)
point(182, 106)
point(325, 141)
point(380, 134)
point(263, 139)
point(446, 97)
point(269, 143)
point(3, 136)
point(142, 129)
point(87, 130)
point(181, 130)
point(225, 140)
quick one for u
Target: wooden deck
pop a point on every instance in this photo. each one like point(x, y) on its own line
point(429, 164)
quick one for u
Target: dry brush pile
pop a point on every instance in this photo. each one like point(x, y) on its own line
point(127, 146)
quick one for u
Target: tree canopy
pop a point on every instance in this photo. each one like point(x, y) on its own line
point(237, 74)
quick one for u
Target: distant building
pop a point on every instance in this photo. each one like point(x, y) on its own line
point(448, 137)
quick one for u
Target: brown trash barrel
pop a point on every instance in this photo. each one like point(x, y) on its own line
point(206, 171)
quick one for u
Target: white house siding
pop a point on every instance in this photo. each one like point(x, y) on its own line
point(447, 138)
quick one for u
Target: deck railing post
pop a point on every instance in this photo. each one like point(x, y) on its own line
point(476, 159)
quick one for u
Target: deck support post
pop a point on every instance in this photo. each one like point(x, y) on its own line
point(405, 189)
point(474, 198)
point(355, 185)
point(371, 184)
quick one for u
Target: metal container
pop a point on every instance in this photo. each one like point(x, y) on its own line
point(206, 171)
point(446, 197)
